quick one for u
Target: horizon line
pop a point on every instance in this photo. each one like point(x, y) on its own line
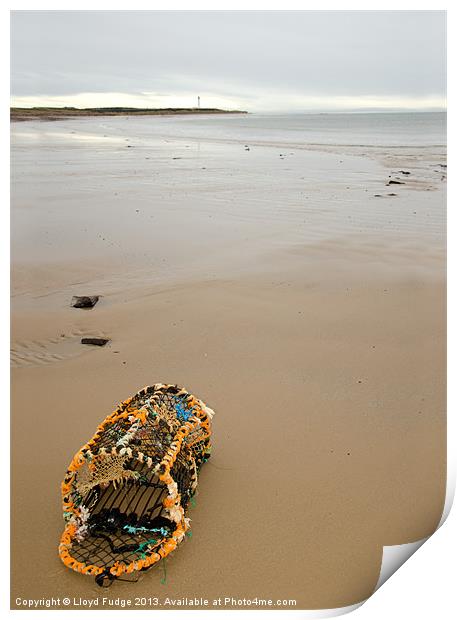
point(322, 111)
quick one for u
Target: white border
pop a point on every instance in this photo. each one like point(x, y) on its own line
point(423, 587)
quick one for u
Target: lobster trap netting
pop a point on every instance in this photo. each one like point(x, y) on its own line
point(126, 491)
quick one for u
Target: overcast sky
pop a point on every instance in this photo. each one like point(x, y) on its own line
point(259, 60)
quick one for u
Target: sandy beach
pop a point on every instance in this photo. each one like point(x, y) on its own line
point(278, 279)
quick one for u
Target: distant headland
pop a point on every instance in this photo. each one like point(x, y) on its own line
point(53, 114)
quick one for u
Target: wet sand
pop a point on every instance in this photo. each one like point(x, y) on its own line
point(307, 312)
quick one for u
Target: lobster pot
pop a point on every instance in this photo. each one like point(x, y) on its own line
point(126, 491)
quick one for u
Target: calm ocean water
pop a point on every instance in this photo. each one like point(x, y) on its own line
point(145, 191)
point(358, 129)
point(382, 130)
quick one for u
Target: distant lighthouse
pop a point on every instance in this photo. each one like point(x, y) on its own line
point(198, 102)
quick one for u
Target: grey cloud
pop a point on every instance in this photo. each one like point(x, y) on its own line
point(306, 52)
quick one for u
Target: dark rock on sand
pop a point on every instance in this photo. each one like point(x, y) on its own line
point(98, 342)
point(391, 194)
point(404, 172)
point(84, 301)
point(392, 182)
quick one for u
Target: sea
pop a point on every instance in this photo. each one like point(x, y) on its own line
point(350, 129)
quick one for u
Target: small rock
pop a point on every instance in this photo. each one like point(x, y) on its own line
point(378, 195)
point(84, 301)
point(392, 194)
point(98, 342)
point(392, 182)
point(404, 172)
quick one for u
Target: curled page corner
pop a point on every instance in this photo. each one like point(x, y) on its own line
point(394, 556)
